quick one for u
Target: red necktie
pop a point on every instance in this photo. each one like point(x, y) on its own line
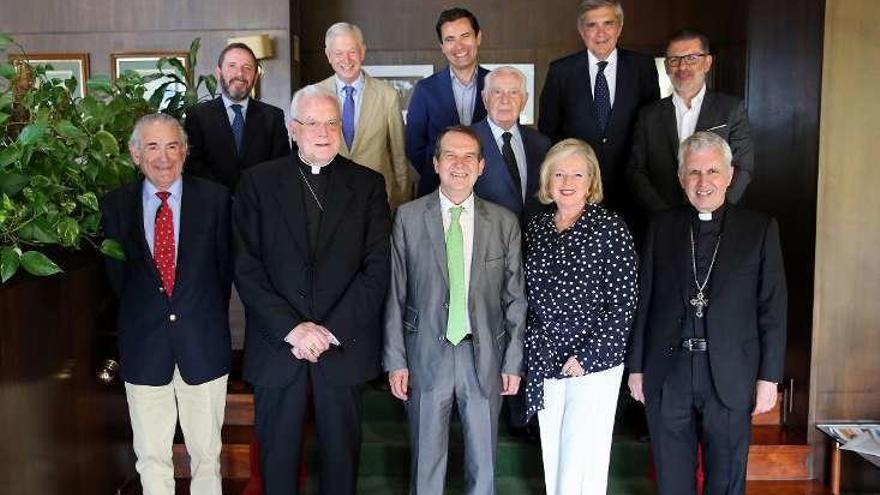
point(163, 242)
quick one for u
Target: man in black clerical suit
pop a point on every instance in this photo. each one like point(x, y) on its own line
point(692, 107)
point(234, 131)
point(709, 336)
point(595, 94)
point(311, 237)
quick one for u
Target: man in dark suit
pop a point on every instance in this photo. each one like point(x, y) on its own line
point(311, 236)
point(664, 124)
point(708, 341)
point(447, 98)
point(234, 131)
point(600, 110)
point(173, 289)
point(513, 153)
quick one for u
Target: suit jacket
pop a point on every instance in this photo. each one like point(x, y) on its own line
point(746, 316)
point(431, 110)
point(282, 283)
point(496, 184)
point(190, 329)
point(653, 165)
point(566, 110)
point(417, 304)
point(212, 153)
point(378, 137)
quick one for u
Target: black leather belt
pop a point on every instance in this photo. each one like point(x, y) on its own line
point(695, 345)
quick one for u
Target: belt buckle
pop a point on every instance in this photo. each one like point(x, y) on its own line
point(695, 345)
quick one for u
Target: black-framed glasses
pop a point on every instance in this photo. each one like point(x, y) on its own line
point(689, 59)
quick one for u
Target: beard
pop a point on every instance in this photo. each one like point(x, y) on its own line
point(237, 95)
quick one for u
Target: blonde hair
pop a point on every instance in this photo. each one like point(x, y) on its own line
point(562, 150)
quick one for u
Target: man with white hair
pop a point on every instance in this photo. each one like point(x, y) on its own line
point(708, 342)
point(372, 124)
point(513, 153)
point(311, 238)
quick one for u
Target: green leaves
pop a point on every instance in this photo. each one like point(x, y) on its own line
point(9, 262)
point(108, 142)
point(113, 249)
point(37, 263)
point(31, 133)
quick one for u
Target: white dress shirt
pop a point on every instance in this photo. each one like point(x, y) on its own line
point(467, 230)
point(686, 118)
point(610, 73)
point(519, 150)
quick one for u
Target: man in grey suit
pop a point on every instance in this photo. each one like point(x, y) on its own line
point(653, 166)
point(455, 316)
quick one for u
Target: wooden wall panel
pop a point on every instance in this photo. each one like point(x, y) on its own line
point(846, 330)
point(99, 27)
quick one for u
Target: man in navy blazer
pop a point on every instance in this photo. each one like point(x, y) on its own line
point(173, 290)
point(447, 98)
point(215, 153)
point(600, 109)
point(513, 153)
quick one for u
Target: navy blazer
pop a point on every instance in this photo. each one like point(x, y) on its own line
point(496, 184)
point(567, 110)
point(212, 152)
point(191, 328)
point(431, 110)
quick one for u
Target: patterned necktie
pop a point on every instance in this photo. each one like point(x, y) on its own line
point(348, 116)
point(510, 160)
point(163, 242)
point(237, 126)
point(602, 97)
point(456, 322)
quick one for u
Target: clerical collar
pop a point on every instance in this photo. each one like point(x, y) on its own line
point(315, 168)
point(708, 216)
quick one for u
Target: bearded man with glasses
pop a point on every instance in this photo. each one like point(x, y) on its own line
point(692, 107)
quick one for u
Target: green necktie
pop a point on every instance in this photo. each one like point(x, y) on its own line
point(456, 323)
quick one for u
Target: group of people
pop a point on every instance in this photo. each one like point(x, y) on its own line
point(512, 273)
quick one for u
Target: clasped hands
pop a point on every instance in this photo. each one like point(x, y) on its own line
point(309, 341)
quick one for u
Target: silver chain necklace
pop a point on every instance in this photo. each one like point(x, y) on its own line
point(309, 185)
point(701, 301)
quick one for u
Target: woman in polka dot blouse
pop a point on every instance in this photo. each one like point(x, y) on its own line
point(581, 280)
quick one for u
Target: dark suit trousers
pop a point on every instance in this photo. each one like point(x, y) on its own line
point(280, 419)
point(686, 411)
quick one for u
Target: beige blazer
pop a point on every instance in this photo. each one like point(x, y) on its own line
point(378, 138)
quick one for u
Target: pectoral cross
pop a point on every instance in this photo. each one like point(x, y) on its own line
point(699, 303)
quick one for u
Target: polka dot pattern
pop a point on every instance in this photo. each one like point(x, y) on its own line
point(582, 291)
point(163, 244)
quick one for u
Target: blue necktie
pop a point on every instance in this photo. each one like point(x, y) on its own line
point(602, 97)
point(237, 126)
point(348, 116)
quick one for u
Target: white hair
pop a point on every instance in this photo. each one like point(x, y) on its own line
point(342, 28)
point(704, 140)
point(135, 140)
point(308, 93)
point(504, 69)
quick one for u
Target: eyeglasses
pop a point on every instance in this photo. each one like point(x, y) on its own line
point(314, 125)
point(689, 59)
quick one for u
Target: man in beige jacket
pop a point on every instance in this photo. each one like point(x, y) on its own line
point(372, 126)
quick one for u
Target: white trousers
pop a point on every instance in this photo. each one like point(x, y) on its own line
point(154, 413)
point(576, 427)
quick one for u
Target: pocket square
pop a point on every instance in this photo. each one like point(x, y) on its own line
point(715, 128)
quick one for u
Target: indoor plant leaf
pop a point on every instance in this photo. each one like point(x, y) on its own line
point(37, 263)
point(113, 249)
point(12, 183)
point(9, 262)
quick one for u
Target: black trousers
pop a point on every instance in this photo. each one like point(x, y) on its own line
point(688, 411)
point(280, 419)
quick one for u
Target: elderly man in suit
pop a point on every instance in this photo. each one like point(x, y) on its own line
point(513, 153)
point(447, 98)
point(455, 316)
point(372, 125)
point(173, 289)
point(709, 336)
point(666, 123)
point(234, 131)
point(601, 109)
point(311, 236)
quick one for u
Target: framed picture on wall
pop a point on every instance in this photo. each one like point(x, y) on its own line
point(146, 64)
point(663, 77)
point(527, 117)
point(60, 67)
point(402, 77)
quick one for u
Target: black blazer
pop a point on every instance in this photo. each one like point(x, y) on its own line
point(281, 284)
point(653, 165)
point(212, 153)
point(190, 329)
point(566, 110)
point(746, 317)
point(496, 185)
